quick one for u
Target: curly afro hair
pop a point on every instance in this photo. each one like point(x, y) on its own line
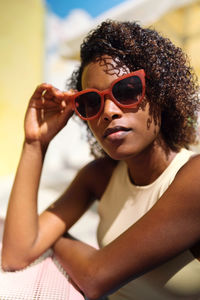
point(171, 84)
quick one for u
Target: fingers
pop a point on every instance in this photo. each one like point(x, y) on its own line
point(46, 91)
point(40, 90)
point(52, 94)
point(68, 99)
point(52, 99)
point(46, 95)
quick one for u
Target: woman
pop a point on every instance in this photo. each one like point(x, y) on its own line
point(137, 93)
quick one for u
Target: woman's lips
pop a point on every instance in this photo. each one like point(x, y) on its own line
point(116, 132)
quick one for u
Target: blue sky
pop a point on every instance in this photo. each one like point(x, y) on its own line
point(93, 7)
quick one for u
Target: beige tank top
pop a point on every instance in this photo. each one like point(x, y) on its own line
point(121, 205)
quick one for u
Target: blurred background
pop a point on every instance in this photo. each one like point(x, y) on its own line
point(39, 42)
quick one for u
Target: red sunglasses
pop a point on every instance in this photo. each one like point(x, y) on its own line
point(126, 91)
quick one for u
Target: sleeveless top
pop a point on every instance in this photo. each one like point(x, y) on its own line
point(121, 205)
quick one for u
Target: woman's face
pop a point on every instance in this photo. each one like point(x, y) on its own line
point(122, 133)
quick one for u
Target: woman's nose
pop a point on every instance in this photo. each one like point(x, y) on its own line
point(111, 110)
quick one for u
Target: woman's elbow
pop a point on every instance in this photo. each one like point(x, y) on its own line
point(93, 293)
point(12, 266)
point(11, 262)
point(95, 286)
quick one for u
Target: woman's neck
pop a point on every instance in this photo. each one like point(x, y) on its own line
point(147, 166)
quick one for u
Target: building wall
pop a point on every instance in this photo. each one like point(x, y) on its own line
point(21, 61)
point(182, 26)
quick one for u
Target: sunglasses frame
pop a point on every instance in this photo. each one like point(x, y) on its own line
point(139, 73)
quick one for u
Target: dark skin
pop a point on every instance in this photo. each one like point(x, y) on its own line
point(169, 228)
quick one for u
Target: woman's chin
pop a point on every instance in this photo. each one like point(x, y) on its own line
point(120, 155)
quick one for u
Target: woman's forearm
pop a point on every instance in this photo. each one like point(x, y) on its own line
point(21, 225)
point(47, 113)
point(78, 259)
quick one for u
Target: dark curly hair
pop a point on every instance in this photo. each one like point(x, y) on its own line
point(171, 84)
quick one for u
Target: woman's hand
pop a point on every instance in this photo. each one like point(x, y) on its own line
point(48, 111)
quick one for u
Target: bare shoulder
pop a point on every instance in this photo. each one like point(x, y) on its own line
point(194, 159)
point(190, 171)
point(184, 191)
point(97, 174)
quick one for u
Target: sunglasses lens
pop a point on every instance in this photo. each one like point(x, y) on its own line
point(128, 91)
point(88, 104)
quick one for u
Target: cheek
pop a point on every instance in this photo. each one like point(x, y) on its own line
point(93, 126)
point(149, 122)
point(152, 126)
